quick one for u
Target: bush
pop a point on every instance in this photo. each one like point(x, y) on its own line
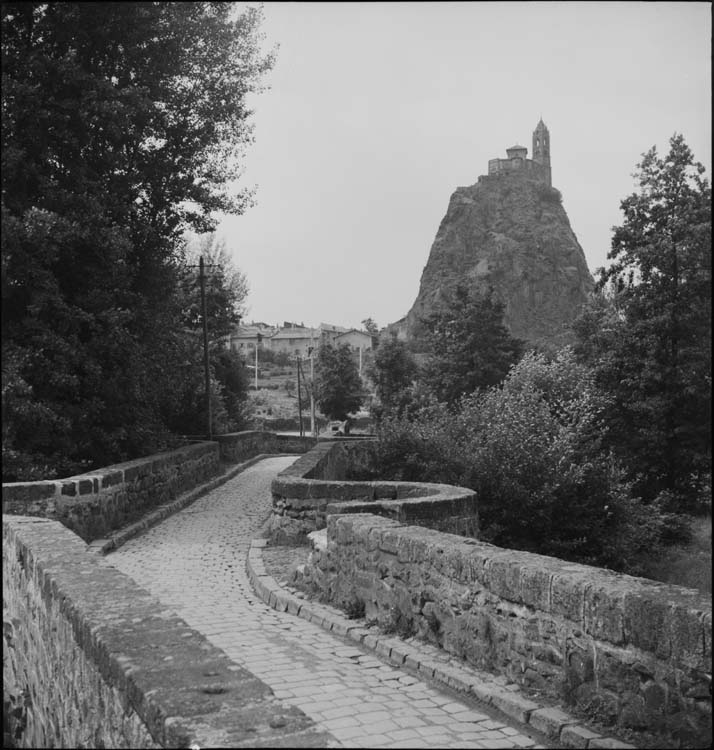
point(549, 194)
point(686, 563)
point(531, 450)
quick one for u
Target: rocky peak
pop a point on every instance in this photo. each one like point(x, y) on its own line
point(511, 233)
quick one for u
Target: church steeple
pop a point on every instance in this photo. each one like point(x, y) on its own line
point(541, 147)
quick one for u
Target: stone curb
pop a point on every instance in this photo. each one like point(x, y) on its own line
point(120, 537)
point(550, 721)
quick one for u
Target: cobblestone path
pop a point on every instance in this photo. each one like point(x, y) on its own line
point(194, 561)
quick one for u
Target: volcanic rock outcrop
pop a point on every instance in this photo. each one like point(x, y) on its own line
point(511, 233)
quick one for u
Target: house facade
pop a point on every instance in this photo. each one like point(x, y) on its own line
point(356, 340)
point(294, 340)
point(246, 337)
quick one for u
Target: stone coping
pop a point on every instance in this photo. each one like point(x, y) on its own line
point(429, 662)
point(93, 482)
point(185, 690)
point(304, 484)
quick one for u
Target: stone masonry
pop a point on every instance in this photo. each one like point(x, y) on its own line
point(316, 485)
point(631, 652)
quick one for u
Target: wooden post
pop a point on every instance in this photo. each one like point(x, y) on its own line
point(206, 370)
point(297, 358)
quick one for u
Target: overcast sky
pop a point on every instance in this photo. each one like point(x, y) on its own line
point(377, 111)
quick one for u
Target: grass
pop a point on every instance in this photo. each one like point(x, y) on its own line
point(686, 565)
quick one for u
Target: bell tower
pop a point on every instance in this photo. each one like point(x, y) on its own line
point(541, 148)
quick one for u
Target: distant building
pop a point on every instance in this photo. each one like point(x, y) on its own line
point(537, 168)
point(246, 337)
point(356, 340)
point(294, 340)
point(329, 332)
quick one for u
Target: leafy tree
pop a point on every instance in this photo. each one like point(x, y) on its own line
point(232, 375)
point(226, 288)
point(468, 344)
point(122, 125)
point(648, 333)
point(393, 372)
point(338, 386)
point(290, 387)
point(371, 327)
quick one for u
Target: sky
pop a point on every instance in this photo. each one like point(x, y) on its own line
point(377, 112)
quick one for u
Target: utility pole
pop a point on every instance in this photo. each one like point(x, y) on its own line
point(310, 353)
point(259, 338)
point(206, 371)
point(297, 360)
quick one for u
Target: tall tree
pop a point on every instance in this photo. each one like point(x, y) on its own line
point(468, 344)
point(122, 125)
point(338, 386)
point(371, 327)
point(649, 339)
point(393, 372)
point(226, 288)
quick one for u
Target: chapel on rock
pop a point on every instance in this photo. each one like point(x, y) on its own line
point(537, 168)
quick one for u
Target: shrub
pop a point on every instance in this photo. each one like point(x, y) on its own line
point(532, 451)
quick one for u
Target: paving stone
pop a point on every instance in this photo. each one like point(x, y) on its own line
point(344, 722)
point(520, 740)
point(490, 724)
point(408, 722)
point(403, 734)
point(468, 715)
point(372, 740)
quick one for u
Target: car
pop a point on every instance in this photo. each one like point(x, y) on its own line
point(334, 428)
point(337, 428)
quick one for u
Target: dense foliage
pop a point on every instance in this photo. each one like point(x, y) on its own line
point(647, 335)
point(469, 347)
point(532, 450)
point(122, 125)
point(338, 385)
point(392, 371)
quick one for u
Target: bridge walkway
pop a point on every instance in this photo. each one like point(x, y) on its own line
point(195, 563)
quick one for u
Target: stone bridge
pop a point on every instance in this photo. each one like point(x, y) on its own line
point(161, 643)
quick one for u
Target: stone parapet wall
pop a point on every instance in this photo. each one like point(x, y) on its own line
point(305, 493)
point(101, 501)
point(629, 652)
point(238, 446)
point(97, 502)
point(93, 660)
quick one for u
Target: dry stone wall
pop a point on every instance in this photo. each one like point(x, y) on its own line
point(628, 651)
point(95, 661)
point(316, 485)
